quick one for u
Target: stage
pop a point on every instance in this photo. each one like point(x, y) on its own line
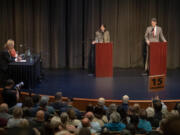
point(77, 83)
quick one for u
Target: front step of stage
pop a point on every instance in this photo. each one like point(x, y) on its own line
point(77, 83)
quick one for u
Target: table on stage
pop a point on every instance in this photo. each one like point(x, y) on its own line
point(27, 72)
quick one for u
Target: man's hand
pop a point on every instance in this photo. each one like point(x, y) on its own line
point(93, 42)
point(148, 42)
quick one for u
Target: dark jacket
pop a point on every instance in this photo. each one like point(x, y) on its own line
point(5, 59)
point(9, 97)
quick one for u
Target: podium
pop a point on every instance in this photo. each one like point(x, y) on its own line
point(104, 60)
point(157, 58)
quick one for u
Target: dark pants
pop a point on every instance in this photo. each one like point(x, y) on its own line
point(91, 63)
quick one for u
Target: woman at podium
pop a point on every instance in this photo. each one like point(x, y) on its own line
point(101, 36)
point(153, 34)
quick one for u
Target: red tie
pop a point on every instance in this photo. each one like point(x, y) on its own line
point(154, 33)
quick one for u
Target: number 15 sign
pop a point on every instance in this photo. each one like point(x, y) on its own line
point(157, 82)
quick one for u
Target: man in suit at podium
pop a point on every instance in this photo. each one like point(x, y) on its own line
point(153, 34)
point(101, 36)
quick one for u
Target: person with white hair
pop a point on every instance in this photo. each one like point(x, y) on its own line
point(115, 123)
point(125, 102)
point(55, 122)
point(101, 102)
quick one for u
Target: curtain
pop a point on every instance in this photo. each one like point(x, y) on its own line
point(61, 31)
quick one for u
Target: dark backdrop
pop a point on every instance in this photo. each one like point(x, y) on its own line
point(62, 30)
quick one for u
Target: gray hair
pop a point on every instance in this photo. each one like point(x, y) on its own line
point(115, 117)
point(125, 99)
point(55, 122)
point(44, 101)
point(150, 112)
point(64, 117)
point(101, 101)
point(112, 108)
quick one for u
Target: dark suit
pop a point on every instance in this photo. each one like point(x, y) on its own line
point(5, 59)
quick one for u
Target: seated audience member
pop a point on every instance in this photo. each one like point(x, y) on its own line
point(85, 122)
point(17, 117)
point(64, 120)
point(36, 98)
point(55, 123)
point(112, 108)
point(90, 108)
point(43, 105)
point(4, 112)
point(101, 102)
point(58, 104)
point(143, 123)
point(39, 122)
point(73, 118)
point(158, 112)
point(125, 102)
point(100, 115)
point(123, 114)
point(133, 126)
point(150, 116)
point(115, 123)
point(44, 100)
point(136, 109)
point(9, 95)
point(94, 126)
point(65, 123)
point(27, 107)
point(70, 106)
point(171, 125)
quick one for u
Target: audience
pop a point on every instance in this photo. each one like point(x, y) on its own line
point(37, 117)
